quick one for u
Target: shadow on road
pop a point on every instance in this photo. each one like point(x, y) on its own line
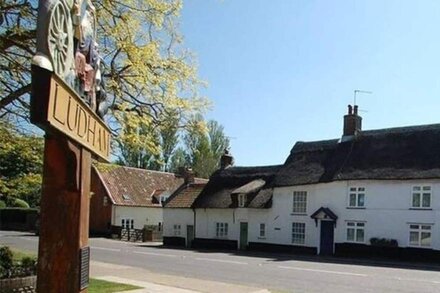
point(281, 257)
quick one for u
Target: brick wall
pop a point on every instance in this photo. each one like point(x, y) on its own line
point(100, 215)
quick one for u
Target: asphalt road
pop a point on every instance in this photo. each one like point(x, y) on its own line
point(276, 272)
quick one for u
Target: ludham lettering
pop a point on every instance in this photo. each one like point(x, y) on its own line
point(68, 114)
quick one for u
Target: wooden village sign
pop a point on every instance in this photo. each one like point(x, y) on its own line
point(68, 102)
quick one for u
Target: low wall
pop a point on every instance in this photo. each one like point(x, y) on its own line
point(19, 285)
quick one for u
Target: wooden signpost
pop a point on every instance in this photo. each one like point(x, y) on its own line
point(68, 102)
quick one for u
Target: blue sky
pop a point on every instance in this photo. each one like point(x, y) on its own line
point(285, 71)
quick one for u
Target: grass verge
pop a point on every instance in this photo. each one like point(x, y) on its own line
point(100, 286)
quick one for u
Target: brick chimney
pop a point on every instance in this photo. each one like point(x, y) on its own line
point(352, 123)
point(187, 174)
point(226, 160)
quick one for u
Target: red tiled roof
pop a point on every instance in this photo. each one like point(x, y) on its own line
point(185, 196)
point(135, 187)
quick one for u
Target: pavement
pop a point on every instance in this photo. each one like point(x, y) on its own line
point(154, 282)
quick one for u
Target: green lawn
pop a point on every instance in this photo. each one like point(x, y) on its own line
point(100, 286)
point(19, 254)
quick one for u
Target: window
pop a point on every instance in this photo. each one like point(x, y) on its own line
point(105, 201)
point(126, 197)
point(176, 230)
point(421, 196)
point(221, 230)
point(262, 230)
point(356, 197)
point(420, 235)
point(356, 232)
point(241, 200)
point(298, 233)
point(127, 223)
point(299, 202)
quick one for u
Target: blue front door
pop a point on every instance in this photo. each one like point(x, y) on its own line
point(327, 238)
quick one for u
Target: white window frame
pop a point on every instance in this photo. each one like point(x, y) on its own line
point(177, 229)
point(356, 226)
point(262, 231)
point(421, 190)
point(299, 203)
point(221, 230)
point(298, 233)
point(357, 192)
point(420, 229)
point(125, 220)
point(241, 200)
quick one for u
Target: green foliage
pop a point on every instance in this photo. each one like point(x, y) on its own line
point(205, 146)
point(21, 164)
point(2, 204)
point(16, 263)
point(6, 259)
point(19, 203)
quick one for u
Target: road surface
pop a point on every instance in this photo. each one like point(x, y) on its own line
point(276, 272)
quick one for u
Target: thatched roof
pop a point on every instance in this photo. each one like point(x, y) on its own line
point(255, 182)
point(394, 153)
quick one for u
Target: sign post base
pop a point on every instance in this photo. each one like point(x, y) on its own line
point(64, 217)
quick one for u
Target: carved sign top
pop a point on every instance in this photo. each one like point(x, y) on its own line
point(67, 46)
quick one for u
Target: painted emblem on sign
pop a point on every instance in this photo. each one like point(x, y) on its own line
point(67, 46)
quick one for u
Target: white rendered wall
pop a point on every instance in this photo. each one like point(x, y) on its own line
point(141, 216)
point(177, 216)
point(387, 211)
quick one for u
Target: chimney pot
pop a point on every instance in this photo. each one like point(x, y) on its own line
point(352, 123)
point(226, 160)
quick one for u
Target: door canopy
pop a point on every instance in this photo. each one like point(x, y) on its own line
point(324, 214)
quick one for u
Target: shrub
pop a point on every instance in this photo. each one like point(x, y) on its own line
point(27, 266)
point(19, 203)
point(6, 261)
point(2, 204)
point(384, 242)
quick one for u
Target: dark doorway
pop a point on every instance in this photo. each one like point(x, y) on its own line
point(189, 235)
point(327, 238)
point(243, 235)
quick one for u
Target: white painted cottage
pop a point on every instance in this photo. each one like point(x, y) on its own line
point(178, 216)
point(374, 192)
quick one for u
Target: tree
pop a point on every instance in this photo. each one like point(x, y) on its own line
point(205, 146)
point(148, 72)
point(21, 164)
point(178, 159)
point(17, 43)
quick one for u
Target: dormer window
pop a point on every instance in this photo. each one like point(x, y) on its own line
point(241, 200)
point(126, 197)
point(163, 199)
